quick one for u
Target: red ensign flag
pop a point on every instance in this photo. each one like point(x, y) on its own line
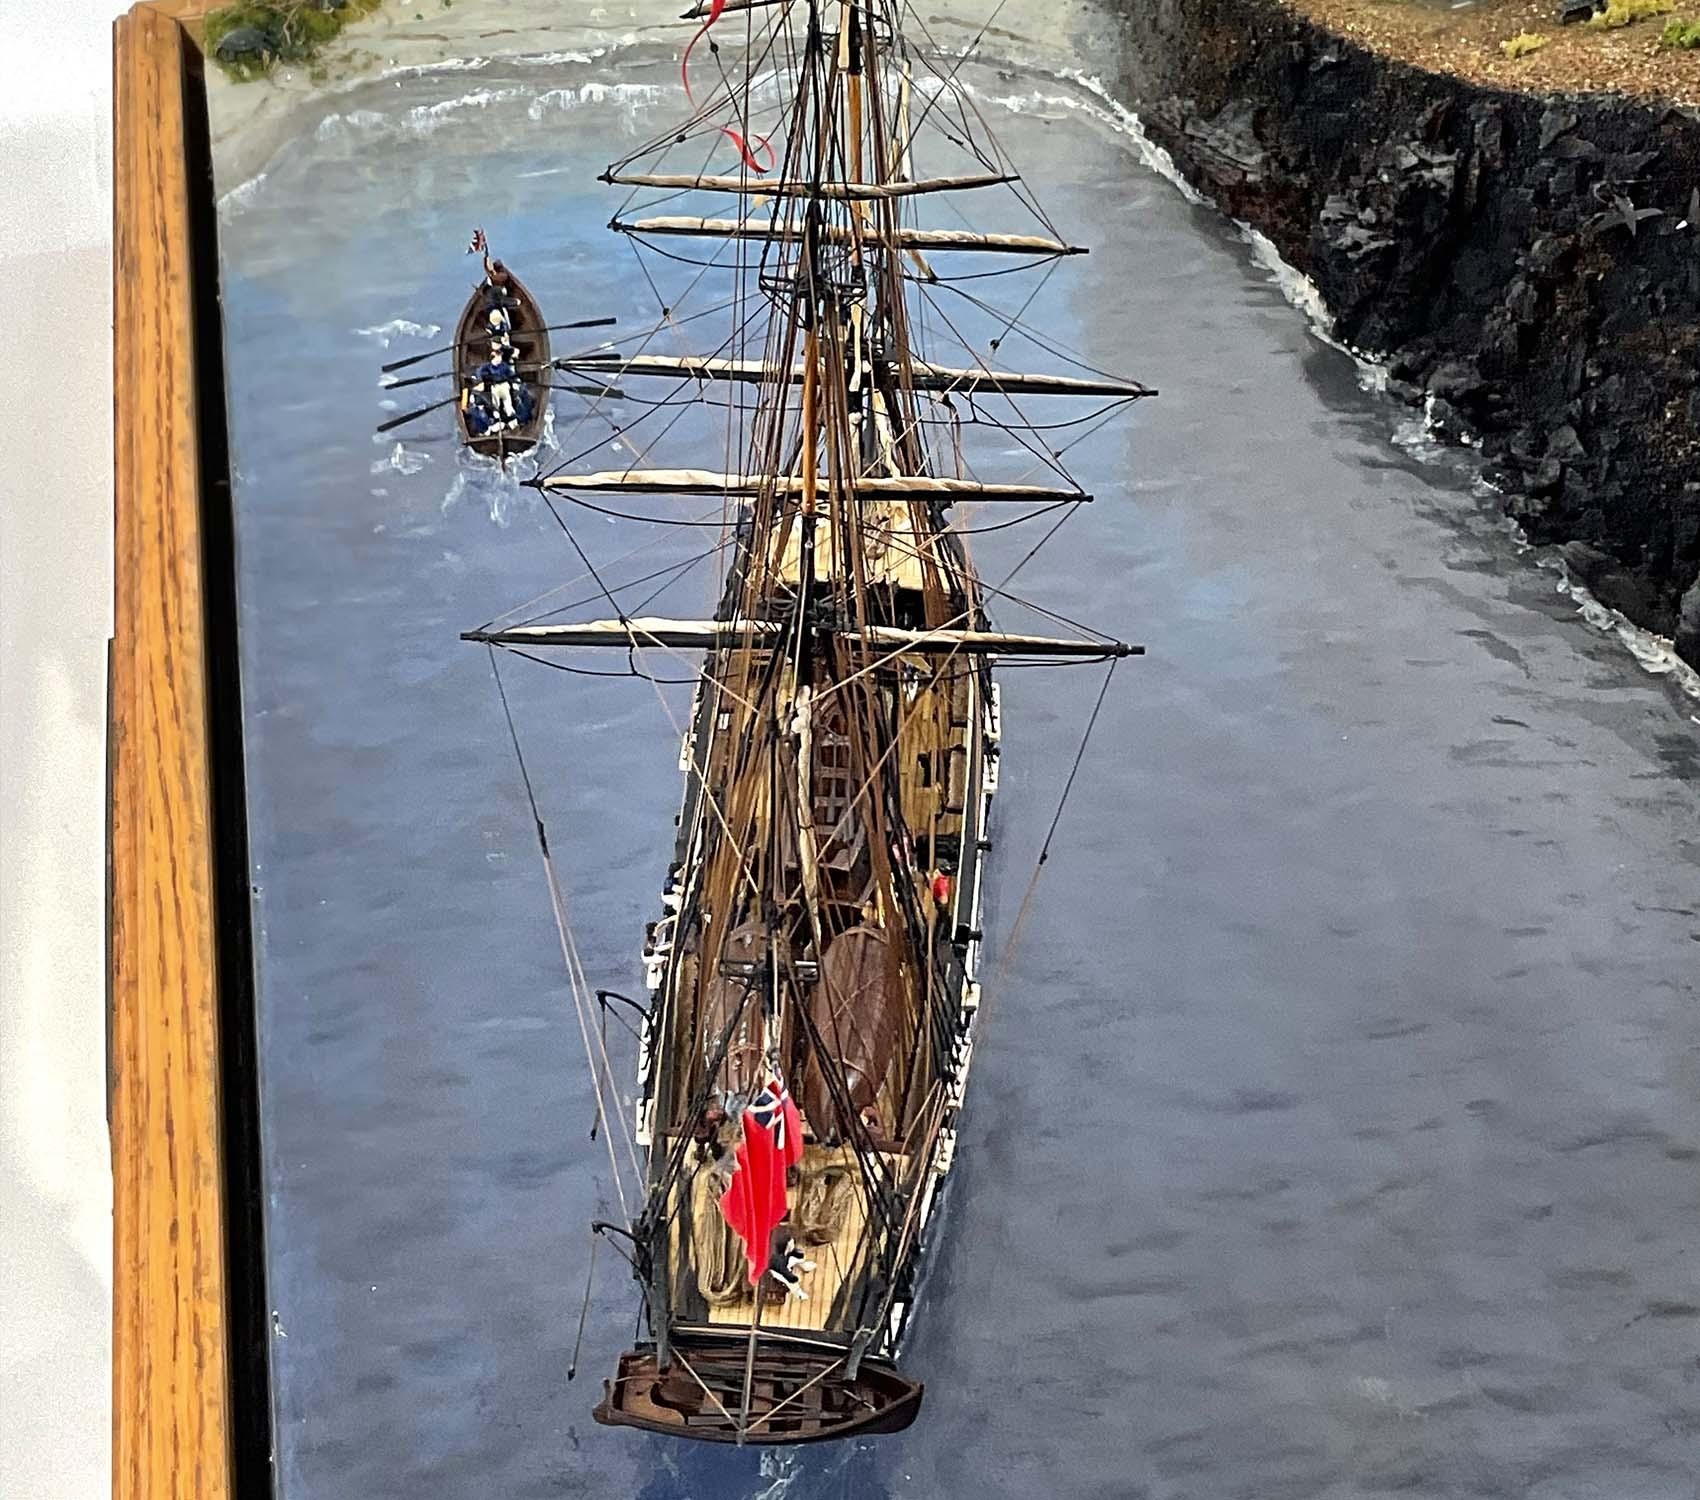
point(754, 1203)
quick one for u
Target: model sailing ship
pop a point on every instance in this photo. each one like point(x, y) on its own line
point(813, 976)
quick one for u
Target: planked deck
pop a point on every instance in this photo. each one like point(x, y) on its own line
point(835, 1263)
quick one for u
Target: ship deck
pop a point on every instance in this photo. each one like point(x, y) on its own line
point(836, 1262)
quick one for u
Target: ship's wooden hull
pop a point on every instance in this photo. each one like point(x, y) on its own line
point(798, 1394)
point(845, 1293)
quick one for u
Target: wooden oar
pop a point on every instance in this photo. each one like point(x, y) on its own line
point(434, 406)
point(396, 385)
point(602, 392)
point(402, 364)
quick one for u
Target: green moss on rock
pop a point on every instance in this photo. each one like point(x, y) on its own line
point(250, 37)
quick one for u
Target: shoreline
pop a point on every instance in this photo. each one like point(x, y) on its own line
point(1521, 263)
point(253, 120)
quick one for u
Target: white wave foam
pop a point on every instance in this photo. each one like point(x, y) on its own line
point(1655, 653)
point(441, 65)
point(398, 328)
point(240, 196)
point(356, 120)
point(476, 99)
point(420, 120)
point(780, 1467)
point(401, 460)
point(483, 482)
point(633, 97)
point(559, 59)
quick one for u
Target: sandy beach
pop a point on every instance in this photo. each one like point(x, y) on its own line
point(252, 120)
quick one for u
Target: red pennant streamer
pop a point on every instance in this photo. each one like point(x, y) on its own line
point(750, 159)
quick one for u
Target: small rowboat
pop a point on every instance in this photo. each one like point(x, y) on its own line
point(531, 345)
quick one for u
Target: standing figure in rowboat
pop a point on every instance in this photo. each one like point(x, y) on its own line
point(496, 293)
point(509, 398)
point(501, 379)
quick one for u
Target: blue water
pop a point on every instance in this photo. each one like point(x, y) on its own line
point(1335, 1123)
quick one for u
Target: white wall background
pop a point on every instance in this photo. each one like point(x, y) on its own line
point(55, 616)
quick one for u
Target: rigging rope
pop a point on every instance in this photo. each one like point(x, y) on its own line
point(1008, 950)
point(569, 951)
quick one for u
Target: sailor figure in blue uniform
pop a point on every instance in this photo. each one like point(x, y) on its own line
point(475, 405)
point(510, 402)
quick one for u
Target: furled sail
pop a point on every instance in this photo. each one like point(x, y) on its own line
point(710, 635)
point(913, 375)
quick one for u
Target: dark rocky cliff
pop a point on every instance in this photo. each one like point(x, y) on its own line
point(1529, 265)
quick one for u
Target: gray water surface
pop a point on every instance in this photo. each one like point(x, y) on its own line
point(1335, 1123)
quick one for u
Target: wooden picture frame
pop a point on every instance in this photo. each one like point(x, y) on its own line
point(190, 1393)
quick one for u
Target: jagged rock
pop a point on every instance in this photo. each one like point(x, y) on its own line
point(1604, 400)
point(1487, 131)
point(1341, 229)
point(1688, 625)
point(1564, 445)
point(1433, 119)
point(1529, 509)
point(1555, 122)
point(1548, 254)
point(1572, 148)
point(1226, 144)
point(1687, 536)
point(1478, 231)
point(1575, 371)
point(1458, 381)
point(1411, 363)
point(1501, 346)
point(1629, 165)
point(1522, 301)
point(1587, 561)
point(1525, 447)
point(1548, 477)
point(1447, 422)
